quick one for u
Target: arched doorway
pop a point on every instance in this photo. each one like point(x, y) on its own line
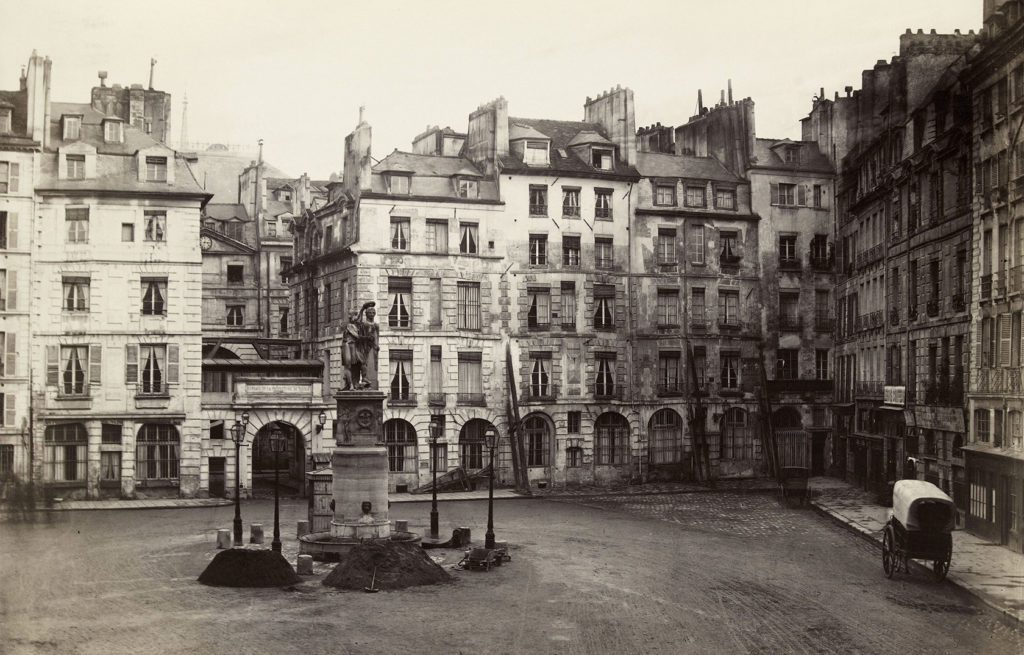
point(473, 454)
point(611, 439)
point(665, 448)
point(291, 463)
point(539, 445)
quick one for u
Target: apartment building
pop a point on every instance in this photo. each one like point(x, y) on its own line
point(22, 127)
point(994, 452)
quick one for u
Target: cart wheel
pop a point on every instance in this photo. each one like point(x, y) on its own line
point(889, 559)
point(940, 567)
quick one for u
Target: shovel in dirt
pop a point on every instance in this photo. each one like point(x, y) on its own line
point(373, 580)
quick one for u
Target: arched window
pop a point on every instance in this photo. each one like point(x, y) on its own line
point(737, 436)
point(538, 441)
point(156, 452)
point(612, 432)
point(66, 452)
point(400, 439)
point(666, 437)
point(471, 444)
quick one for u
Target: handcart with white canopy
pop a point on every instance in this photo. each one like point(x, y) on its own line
point(920, 527)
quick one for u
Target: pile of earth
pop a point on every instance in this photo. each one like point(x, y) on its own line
point(243, 567)
point(398, 565)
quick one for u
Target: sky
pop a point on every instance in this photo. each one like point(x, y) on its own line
point(295, 73)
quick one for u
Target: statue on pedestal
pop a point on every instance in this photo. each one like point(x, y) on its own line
point(360, 346)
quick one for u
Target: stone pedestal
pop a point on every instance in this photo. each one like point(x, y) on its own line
point(360, 467)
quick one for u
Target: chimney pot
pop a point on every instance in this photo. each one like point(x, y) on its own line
point(933, 31)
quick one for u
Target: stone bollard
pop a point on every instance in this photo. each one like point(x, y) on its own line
point(302, 529)
point(305, 566)
point(223, 538)
point(256, 533)
point(401, 526)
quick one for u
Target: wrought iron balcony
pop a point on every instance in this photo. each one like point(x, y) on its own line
point(870, 389)
point(999, 284)
point(538, 210)
point(822, 264)
point(534, 393)
point(608, 392)
point(473, 399)
point(789, 264)
point(728, 323)
point(894, 316)
point(698, 324)
point(790, 323)
point(670, 389)
point(401, 399)
point(998, 381)
point(603, 212)
point(572, 212)
point(435, 399)
point(823, 324)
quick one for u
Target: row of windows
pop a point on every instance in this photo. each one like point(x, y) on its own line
point(571, 207)
point(76, 226)
point(65, 453)
point(694, 196)
point(72, 369)
point(436, 237)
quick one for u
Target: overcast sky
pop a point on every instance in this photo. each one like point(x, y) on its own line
point(295, 73)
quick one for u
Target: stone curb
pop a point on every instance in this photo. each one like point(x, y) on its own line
point(1005, 614)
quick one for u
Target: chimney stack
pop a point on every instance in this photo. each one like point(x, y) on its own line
point(730, 92)
point(103, 78)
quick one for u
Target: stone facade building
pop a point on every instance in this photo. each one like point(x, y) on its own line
point(994, 454)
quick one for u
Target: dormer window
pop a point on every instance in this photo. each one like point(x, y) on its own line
point(72, 127)
point(602, 158)
point(156, 169)
point(536, 153)
point(5, 120)
point(399, 184)
point(468, 188)
point(113, 131)
point(76, 166)
point(791, 155)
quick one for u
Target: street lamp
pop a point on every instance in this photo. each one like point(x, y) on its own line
point(491, 439)
point(323, 421)
point(277, 444)
point(436, 428)
point(238, 436)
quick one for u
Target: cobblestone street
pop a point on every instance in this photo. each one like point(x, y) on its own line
point(702, 573)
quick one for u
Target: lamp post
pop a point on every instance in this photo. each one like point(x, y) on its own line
point(435, 433)
point(238, 436)
point(277, 444)
point(491, 439)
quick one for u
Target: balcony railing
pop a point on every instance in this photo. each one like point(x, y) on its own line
point(602, 212)
point(538, 210)
point(569, 326)
point(789, 264)
point(876, 319)
point(894, 316)
point(608, 393)
point(728, 323)
point(670, 389)
point(790, 323)
point(698, 324)
point(822, 264)
point(986, 286)
point(540, 392)
point(871, 389)
point(540, 327)
point(999, 284)
point(573, 212)
point(823, 324)
point(435, 399)
point(1016, 279)
point(152, 389)
point(998, 380)
point(959, 304)
point(477, 399)
point(933, 307)
point(401, 399)
point(730, 260)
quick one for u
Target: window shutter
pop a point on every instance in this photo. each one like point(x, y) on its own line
point(775, 193)
point(131, 364)
point(10, 419)
point(52, 365)
point(11, 365)
point(1004, 340)
point(721, 306)
point(801, 194)
point(95, 363)
point(13, 179)
point(172, 364)
point(12, 290)
point(12, 230)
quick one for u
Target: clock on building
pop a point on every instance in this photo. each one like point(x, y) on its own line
point(205, 243)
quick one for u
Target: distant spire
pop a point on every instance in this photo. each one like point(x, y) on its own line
point(183, 137)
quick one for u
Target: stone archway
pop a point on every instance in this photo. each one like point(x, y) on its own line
point(291, 464)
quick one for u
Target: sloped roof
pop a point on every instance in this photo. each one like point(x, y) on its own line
point(431, 175)
point(563, 160)
point(277, 207)
point(811, 158)
point(92, 131)
point(658, 164)
point(587, 137)
point(519, 131)
point(223, 211)
point(424, 164)
point(218, 170)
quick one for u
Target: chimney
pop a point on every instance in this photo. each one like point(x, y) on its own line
point(700, 102)
point(103, 78)
point(613, 110)
point(730, 92)
point(37, 85)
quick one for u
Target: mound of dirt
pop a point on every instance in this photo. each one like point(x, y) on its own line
point(243, 567)
point(399, 565)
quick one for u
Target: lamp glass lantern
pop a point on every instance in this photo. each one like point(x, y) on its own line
point(323, 419)
point(491, 437)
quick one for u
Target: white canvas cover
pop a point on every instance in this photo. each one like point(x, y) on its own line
point(908, 497)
